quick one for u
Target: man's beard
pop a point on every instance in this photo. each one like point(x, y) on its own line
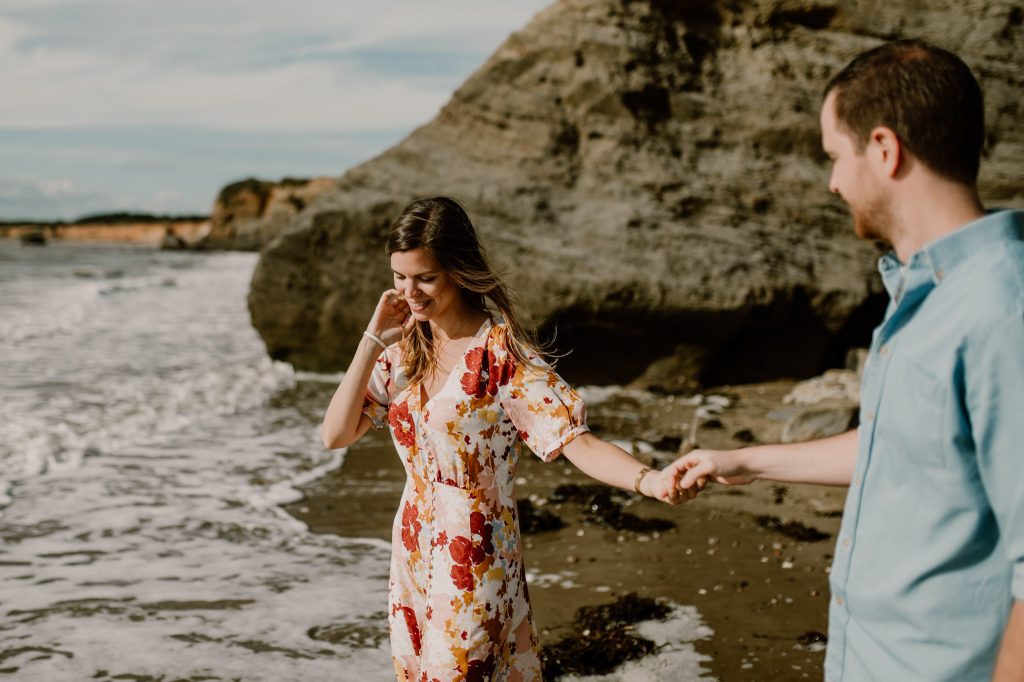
point(874, 221)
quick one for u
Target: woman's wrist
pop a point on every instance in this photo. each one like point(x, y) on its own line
point(376, 346)
point(642, 481)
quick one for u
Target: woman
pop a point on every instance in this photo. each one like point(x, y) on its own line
point(459, 387)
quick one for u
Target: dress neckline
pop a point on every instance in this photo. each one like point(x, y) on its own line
point(421, 390)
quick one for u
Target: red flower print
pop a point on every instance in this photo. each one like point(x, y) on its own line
point(414, 628)
point(500, 374)
point(473, 386)
point(460, 549)
point(402, 424)
point(462, 577)
point(479, 671)
point(411, 527)
point(475, 359)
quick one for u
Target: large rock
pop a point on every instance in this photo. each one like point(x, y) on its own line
point(249, 213)
point(649, 174)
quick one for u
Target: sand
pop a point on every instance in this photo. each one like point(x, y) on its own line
point(758, 579)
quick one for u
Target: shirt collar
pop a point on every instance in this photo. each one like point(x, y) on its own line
point(930, 264)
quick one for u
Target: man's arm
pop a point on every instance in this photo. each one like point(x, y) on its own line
point(1010, 663)
point(828, 461)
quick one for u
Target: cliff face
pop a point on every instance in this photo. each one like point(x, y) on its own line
point(249, 213)
point(649, 173)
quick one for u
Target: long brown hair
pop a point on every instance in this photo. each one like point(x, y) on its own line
point(442, 227)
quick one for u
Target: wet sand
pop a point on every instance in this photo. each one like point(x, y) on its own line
point(747, 557)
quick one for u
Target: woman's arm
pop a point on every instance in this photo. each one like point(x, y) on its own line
point(610, 464)
point(345, 422)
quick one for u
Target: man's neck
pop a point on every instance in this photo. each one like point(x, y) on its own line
point(932, 213)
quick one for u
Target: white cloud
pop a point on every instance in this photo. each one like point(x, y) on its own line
point(239, 66)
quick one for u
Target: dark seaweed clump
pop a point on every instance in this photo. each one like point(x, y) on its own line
point(532, 519)
point(793, 530)
point(605, 506)
point(608, 641)
point(812, 637)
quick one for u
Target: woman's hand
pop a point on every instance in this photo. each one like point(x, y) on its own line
point(392, 319)
point(692, 471)
point(661, 485)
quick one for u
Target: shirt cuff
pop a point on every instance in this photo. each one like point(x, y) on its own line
point(377, 413)
point(569, 436)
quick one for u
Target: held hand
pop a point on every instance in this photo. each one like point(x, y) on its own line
point(661, 485)
point(692, 471)
point(391, 320)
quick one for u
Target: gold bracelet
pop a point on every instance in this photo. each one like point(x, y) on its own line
point(639, 478)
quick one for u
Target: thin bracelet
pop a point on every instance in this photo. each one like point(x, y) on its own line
point(639, 478)
point(376, 339)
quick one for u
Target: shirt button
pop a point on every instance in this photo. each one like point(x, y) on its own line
point(846, 542)
point(883, 351)
point(839, 600)
point(869, 415)
point(857, 479)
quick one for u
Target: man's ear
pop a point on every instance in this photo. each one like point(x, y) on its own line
point(886, 151)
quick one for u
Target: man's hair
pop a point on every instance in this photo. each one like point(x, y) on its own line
point(924, 94)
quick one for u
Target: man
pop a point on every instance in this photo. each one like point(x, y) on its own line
point(928, 574)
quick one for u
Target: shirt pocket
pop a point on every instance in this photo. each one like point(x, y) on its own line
point(914, 413)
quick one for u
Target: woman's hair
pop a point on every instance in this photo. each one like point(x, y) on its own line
point(440, 225)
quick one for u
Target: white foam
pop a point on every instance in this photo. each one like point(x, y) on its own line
point(676, 659)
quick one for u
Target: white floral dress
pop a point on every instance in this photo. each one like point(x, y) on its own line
point(459, 607)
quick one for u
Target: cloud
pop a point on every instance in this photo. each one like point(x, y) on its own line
point(145, 105)
point(243, 66)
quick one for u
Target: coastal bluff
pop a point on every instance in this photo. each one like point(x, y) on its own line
point(648, 174)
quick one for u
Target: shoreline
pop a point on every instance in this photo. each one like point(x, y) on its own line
point(753, 560)
point(141, 233)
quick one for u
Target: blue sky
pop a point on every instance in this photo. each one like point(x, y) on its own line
point(137, 105)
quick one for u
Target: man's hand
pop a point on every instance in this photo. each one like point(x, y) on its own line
point(692, 471)
point(661, 485)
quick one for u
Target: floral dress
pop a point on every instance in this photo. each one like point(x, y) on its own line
point(458, 603)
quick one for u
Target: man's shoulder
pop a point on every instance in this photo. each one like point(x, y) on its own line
point(990, 284)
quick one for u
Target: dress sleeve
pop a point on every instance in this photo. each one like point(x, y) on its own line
point(994, 382)
point(380, 390)
point(544, 409)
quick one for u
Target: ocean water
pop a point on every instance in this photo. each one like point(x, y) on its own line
point(146, 443)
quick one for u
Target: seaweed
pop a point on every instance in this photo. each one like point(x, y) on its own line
point(793, 530)
point(535, 520)
point(604, 506)
point(603, 639)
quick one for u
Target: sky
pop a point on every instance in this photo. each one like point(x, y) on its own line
point(145, 106)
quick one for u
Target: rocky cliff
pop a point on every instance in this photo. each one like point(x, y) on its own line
point(648, 173)
point(249, 213)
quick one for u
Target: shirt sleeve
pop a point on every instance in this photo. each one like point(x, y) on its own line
point(544, 409)
point(994, 386)
point(378, 394)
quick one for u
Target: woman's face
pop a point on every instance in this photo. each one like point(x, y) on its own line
point(423, 283)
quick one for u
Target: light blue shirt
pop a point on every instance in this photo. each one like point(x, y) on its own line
point(930, 555)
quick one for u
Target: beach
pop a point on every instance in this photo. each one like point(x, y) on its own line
point(170, 513)
point(752, 560)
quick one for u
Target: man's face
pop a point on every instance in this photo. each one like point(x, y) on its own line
point(852, 177)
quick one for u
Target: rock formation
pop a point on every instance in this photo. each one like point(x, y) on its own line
point(649, 175)
point(249, 213)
